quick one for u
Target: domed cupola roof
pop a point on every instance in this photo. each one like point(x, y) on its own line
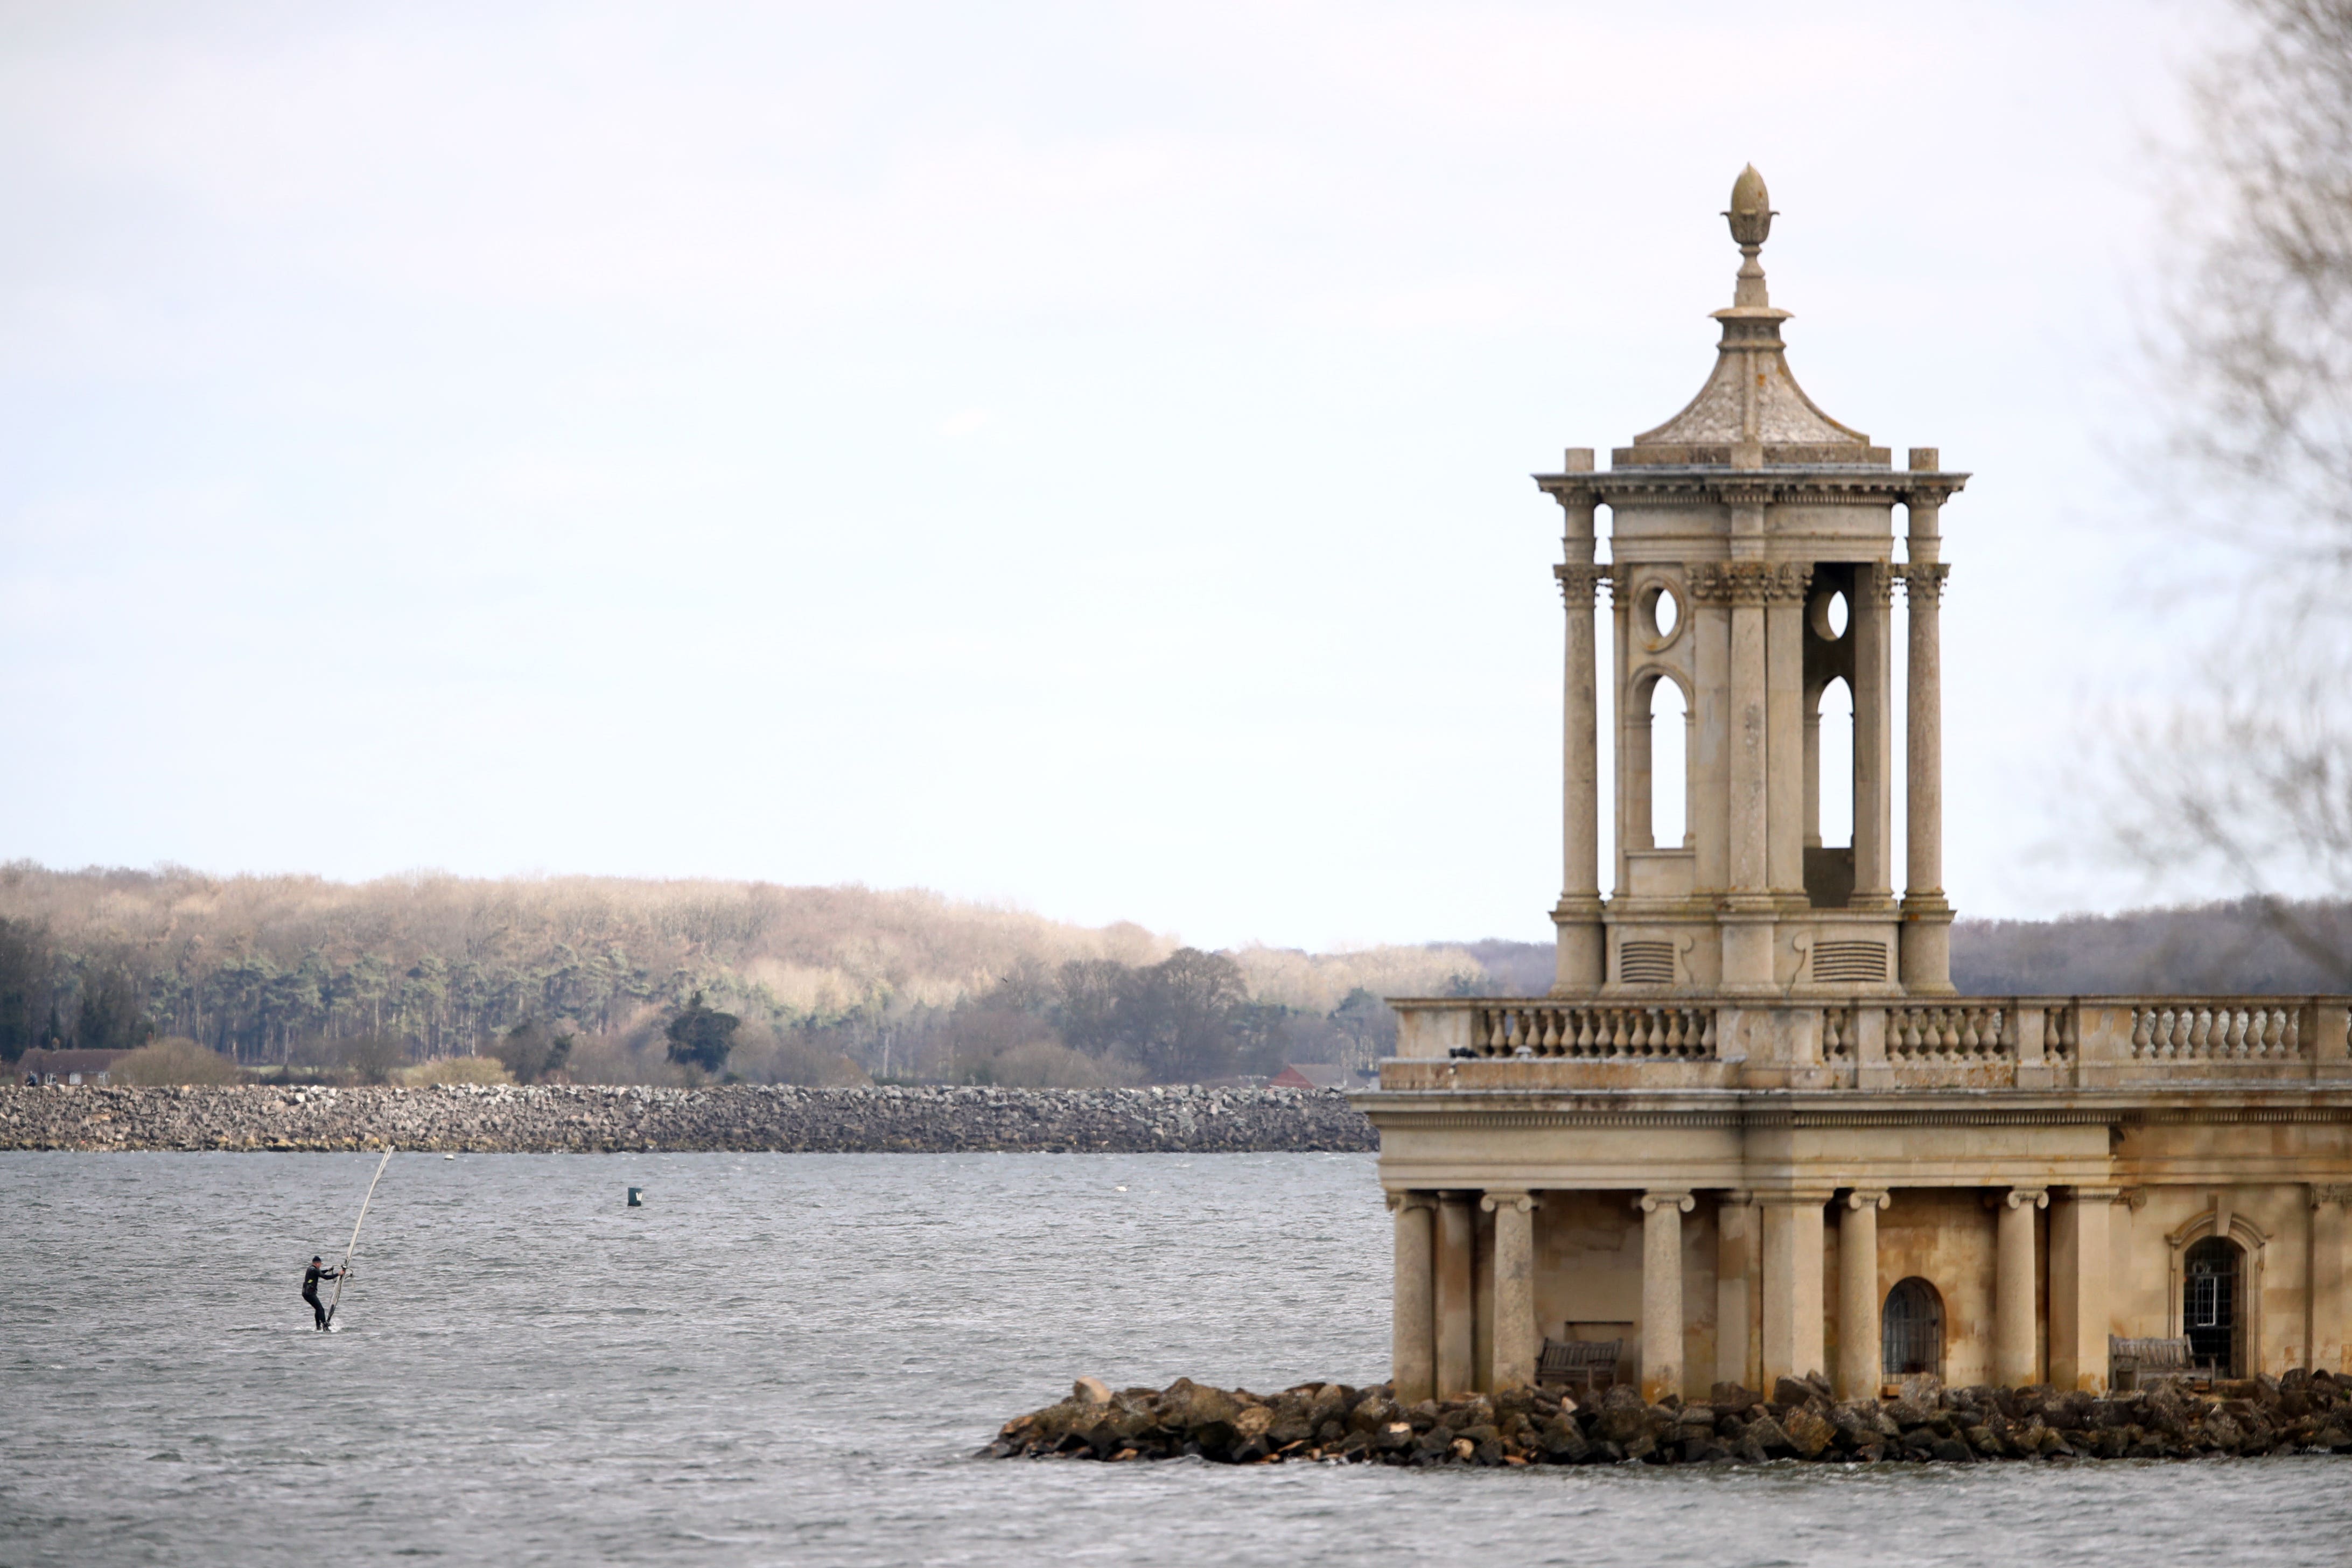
point(1751, 413)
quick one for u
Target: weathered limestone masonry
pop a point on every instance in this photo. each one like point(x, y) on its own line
point(1329, 1422)
point(575, 1118)
point(1752, 1134)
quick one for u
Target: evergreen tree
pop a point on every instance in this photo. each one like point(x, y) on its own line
point(701, 1037)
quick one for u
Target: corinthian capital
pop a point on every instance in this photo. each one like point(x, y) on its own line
point(1876, 579)
point(1750, 582)
point(1579, 580)
point(1924, 580)
point(1788, 582)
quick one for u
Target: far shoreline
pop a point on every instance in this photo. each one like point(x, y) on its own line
point(547, 1119)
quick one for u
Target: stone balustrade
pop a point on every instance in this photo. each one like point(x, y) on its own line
point(2025, 1043)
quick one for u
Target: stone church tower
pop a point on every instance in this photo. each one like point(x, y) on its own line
point(1752, 564)
point(1751, 1133)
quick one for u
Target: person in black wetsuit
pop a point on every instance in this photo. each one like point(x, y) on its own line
point(310, 1278)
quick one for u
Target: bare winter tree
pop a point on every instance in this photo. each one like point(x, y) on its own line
point(2251, 776)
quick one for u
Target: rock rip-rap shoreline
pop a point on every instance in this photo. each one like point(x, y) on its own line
point(2302, 1411)
point(587, 1119)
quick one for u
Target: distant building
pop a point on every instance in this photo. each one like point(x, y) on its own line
point(62, 1067)
point(1753, 1131)
point(1313, 1075)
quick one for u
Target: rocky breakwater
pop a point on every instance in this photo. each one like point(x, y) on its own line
point(544, 1119)
point(2302, 1411)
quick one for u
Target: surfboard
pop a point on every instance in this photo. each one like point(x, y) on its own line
point(354, 1247)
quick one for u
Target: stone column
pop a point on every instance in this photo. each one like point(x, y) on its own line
point(1745, 919)
point(2079, 1303)
point(2013, 1360)
point(1927, 956)
point(1785, 728)
point(2325, 1327)
point(1793, 1327)
point(1413, 1352)
point(1858, 1294)
point(1517, 1340)
point(1749, 788)
point(1871, 609)
point(1577, 918)
point(1736, 1268)
point(1456, 1316)
point(1662, 1291)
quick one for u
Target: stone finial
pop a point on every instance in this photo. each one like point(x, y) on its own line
point(1751, 210)
point(1752, 221)
point(1751, 413)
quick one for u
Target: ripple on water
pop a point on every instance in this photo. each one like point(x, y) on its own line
point(789, 1358)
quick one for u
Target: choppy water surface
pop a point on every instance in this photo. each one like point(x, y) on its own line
point(787, 1359)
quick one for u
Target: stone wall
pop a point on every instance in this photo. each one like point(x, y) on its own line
point(584, 1119)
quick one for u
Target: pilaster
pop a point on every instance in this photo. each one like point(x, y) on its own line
point(2324, 1328)
point(1454, 1310)
point(2080, 1291)
point(1872, 609)
point(1517, 1340)
point(1739, 1263)
point(1794, 1330)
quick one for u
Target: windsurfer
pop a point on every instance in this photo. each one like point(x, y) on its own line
point(310, 1278)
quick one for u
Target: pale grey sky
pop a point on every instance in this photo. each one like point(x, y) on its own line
point(1075, 455)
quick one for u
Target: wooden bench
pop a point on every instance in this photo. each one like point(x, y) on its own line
point(2142, 1364)
point(1588, 1366)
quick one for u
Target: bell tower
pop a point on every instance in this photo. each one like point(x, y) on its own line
point(1752, 568)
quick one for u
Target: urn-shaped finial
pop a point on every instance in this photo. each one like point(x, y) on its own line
point(1751, 208)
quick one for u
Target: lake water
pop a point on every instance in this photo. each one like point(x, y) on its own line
point(790, 1358)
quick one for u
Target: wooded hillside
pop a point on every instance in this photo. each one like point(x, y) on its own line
point(278, 969)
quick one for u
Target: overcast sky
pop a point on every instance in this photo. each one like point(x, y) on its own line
point(1069, 454)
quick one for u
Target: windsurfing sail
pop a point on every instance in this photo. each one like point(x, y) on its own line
point(354, 1247)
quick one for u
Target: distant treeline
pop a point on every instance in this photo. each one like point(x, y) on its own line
point(2249, 947)
point(829, 985)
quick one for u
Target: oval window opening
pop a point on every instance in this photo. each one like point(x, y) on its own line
point(1837, 615)
point(1667, 613)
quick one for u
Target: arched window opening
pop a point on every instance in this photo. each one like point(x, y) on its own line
point(1911, 1336)
point(1834, 790)
point(2212, 1297)
point(1830, 795)
point(1669, 766)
